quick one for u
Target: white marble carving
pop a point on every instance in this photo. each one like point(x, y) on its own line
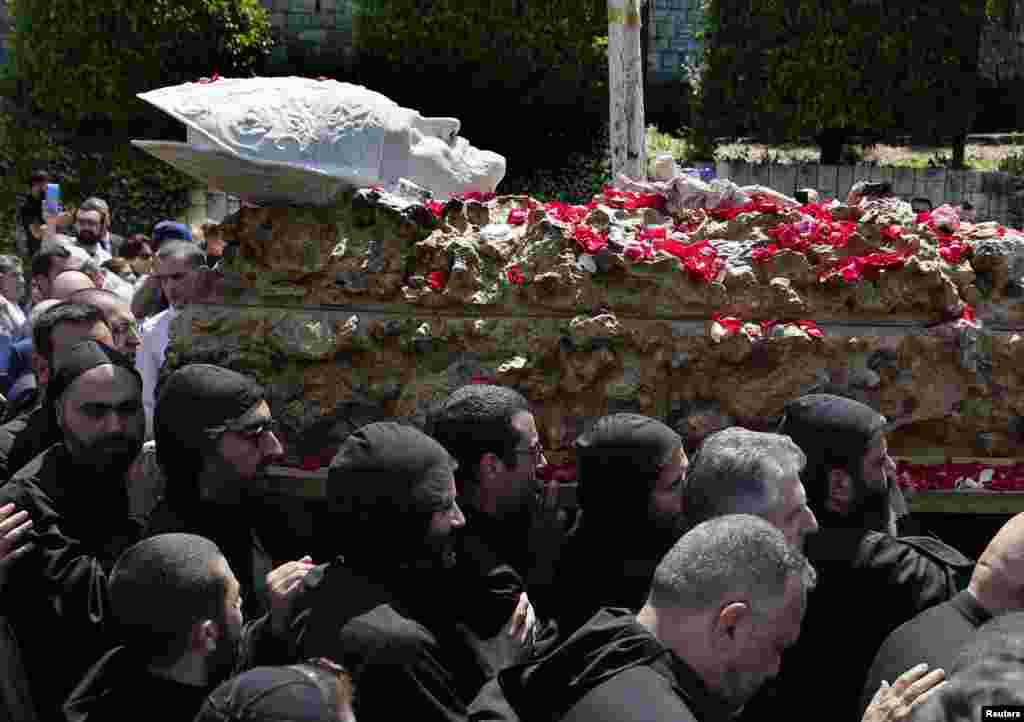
point(303, 141)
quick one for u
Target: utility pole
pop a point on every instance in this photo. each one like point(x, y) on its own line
point(625, 83)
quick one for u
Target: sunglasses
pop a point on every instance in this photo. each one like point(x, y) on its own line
point(252, 431)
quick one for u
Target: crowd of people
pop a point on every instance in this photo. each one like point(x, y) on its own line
point(765, 578)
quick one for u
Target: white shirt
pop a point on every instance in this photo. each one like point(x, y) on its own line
point(149, 359)
point(101, 255)
point(12, 319)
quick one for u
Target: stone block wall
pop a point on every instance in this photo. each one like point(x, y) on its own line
point(312, 28)
point(380, 307)
point(672, 35)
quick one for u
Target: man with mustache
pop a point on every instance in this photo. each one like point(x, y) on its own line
point(214, 437)
point(74, 495)
point(92, 230)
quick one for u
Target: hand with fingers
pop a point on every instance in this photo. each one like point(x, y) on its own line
point(910, 690)
point(523, 625)
point(284, 584)
point(14, 526)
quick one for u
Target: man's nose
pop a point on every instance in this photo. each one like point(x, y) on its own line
point(458, 518)
point(114, 423)
point(271, 445)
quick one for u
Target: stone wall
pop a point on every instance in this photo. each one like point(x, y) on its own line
point(380, 307)
point(672, 36)
point(312, 29)
point(995, 196)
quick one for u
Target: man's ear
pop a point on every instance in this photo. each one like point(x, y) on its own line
point(205, 637)
point(726, 624)
point(840, 491)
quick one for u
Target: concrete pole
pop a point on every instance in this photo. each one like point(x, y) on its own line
point(625, 82)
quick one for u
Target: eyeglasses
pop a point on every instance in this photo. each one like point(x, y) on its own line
point(254, 431)
point(536, 451)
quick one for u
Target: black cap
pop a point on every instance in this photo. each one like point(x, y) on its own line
point(82, 357)
point(283, 694)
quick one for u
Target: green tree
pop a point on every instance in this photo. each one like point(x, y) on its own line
point(83, 62)
point(509, 69)
point(832, 68)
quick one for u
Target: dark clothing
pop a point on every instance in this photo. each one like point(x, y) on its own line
point(868, 584)
point(610, 670)
point(228, 528)
point(39, 431)
point(600, 569)
point(31, 213)
point(490, 571)
point(56, 596)
point(120, 686)
point(393, 630)
point(934, 636)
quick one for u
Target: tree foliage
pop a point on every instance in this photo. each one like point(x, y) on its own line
point(830, 68)
point(84, 61)
point(506, 68)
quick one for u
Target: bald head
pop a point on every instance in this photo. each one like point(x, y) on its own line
point(118, 313)
point(998, 579)
point(68, 282)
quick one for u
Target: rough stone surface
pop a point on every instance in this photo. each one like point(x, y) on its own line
point(379, 307)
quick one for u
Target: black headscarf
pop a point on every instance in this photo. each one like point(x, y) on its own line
point(194, 401)
point(384, 484)
point(618, 462)
point(83, 356)
point(835, 432)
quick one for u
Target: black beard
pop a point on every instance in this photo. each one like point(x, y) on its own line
point(112, 456)
point(88, 239)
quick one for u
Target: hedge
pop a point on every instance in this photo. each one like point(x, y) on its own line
point(84, 61)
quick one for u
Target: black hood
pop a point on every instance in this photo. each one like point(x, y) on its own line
point(610, 643)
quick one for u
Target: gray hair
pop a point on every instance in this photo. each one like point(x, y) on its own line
point(189, 252)
point(738, 471)
point(10, 263)
point(735, 555)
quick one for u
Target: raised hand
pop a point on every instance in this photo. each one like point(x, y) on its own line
point(13, 528)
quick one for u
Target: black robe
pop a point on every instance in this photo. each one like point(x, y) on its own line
point(393, 629)
point(935, 636)
point(229, 528)
point(120, 686)
point(869, 583)
point(55, 598)
point(34, 432)
point(612, 669)
point(602, 568)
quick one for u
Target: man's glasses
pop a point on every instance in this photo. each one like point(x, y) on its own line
point(255, 430)
point(536, 451)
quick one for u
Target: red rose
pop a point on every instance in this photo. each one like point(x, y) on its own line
point(515, 276)
point(764, 253)
point(729, 323)
point(436, 207)
point(436, 280)
point(892, 233)
point(811, 329)
point(517, 217)
point(590, 240)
